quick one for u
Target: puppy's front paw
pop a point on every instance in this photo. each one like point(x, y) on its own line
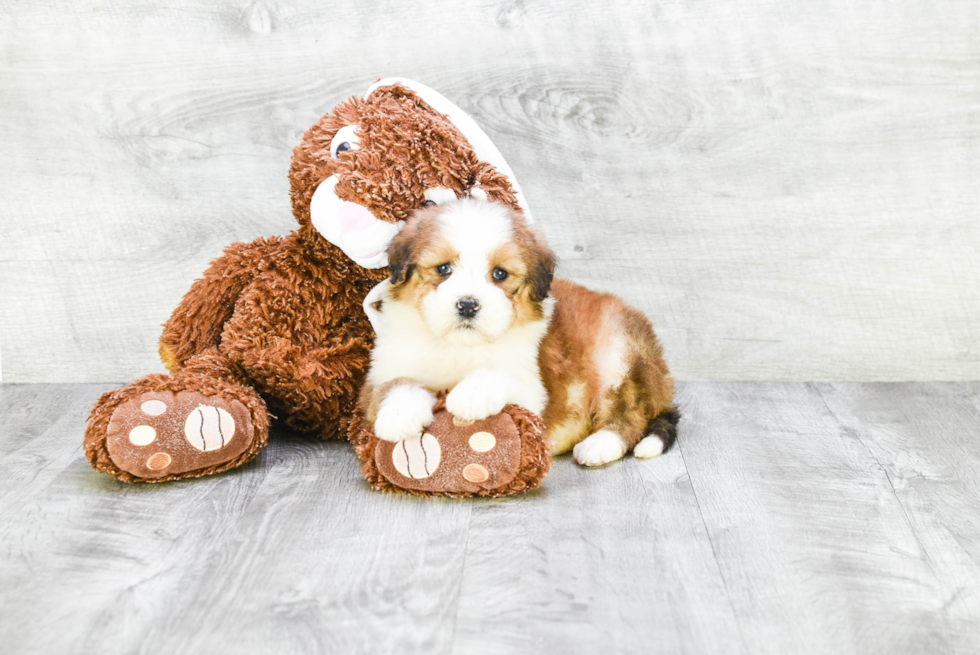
point(600, 448)
point(404, 413)
point(481, 394)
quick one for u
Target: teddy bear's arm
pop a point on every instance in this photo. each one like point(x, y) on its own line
point(319, 384)
point(197, 322)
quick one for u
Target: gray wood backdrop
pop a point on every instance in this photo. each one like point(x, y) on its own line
point(789, 189)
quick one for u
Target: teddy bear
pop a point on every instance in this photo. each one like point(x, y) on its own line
point(275, 328)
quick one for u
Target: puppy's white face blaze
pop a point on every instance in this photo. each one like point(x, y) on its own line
point(474, 231)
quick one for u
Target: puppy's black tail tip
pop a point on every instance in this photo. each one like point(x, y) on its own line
point(664, 427)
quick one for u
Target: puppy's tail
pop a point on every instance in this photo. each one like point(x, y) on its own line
point(661, 434)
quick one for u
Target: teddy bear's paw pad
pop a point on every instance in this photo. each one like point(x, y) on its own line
point(417, 457)
point(454, 456)
point(163, 433)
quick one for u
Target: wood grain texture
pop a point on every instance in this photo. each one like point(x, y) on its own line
point(291, 553)
point(823, 547)
point(922, 441)
point(789, 192)
point(791, 518)
point(613, 560)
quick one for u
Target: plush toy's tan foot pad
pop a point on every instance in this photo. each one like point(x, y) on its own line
point(163, 433)
point(454, 456)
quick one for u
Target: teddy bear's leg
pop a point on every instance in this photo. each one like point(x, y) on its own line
point(203, 419)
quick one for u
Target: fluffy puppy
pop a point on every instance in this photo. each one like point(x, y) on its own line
point(471, 308)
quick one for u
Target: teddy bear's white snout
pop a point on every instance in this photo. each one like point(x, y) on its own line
point(351, 227)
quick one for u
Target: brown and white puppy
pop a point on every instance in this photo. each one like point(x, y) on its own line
point(471, 308)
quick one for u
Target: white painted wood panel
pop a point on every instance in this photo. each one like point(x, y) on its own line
point(790, 191)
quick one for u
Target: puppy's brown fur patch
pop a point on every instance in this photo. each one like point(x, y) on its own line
point(414, 255)
point(603, 368)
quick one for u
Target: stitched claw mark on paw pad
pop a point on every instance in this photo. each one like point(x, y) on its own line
point(417, 457)
point(209, 428)
point(160, 433)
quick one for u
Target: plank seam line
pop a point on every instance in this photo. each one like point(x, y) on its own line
point(459, 587)
point(714, 553)
point(888, 478)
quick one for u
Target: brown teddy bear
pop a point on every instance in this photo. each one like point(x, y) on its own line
point(276, 328)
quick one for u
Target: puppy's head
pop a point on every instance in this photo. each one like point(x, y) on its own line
point(473, 269)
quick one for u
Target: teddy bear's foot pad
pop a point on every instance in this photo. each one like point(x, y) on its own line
point(454, 456)
point(164, 433)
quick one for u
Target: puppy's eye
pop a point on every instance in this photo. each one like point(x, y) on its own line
point(444, 269)
point(500, 274)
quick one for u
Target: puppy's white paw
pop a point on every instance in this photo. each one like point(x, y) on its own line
point(648, 447)
point(404, 413)
point(599, 448)
point(482, 393)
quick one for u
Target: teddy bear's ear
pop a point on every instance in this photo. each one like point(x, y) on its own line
point(482, 145)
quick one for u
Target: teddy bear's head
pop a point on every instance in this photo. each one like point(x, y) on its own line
point(366, 166)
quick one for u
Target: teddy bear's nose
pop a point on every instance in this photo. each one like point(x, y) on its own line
point(354, 217)
point(467, 307)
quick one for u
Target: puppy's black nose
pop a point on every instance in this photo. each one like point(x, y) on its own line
point(467, 307)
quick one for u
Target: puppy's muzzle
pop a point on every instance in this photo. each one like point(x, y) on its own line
point(467, 307)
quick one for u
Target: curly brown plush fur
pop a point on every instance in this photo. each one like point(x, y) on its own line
point(278, 322)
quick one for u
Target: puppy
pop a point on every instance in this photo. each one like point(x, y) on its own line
point(471, 308)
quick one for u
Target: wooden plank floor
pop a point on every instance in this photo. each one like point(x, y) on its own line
point(792, 518)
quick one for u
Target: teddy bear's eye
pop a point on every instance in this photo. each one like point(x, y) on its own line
point(444, 269)
point(345, 139)
point(428, 203)
point(500, 274)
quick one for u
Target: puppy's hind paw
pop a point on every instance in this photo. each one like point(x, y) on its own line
point(600, 448)
point(650, 446)
point(404, 413)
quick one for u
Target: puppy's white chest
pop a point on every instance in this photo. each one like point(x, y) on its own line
point(406, 348)
point(441, 366)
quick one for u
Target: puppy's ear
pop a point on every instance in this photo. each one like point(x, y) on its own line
point(401, 256)
point(541, 267)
